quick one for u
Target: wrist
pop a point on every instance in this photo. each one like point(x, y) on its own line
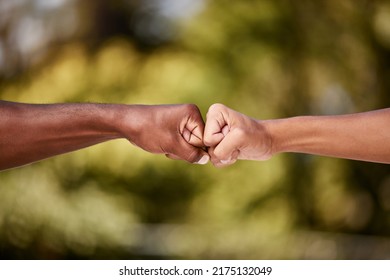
point(296, 134)
point(131, 120)
point(280, 135)
point(115, 120)
point(268, 138)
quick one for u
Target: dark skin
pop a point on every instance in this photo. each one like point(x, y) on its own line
point(32, 132)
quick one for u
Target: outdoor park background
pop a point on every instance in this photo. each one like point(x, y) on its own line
point(267, 59)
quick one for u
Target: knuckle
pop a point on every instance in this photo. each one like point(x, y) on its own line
point(207, 143)
point(211, 140)
point(216, 107)
point(207, 140)
point(192, 108)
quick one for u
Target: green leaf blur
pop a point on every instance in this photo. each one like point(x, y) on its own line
point(267, 59)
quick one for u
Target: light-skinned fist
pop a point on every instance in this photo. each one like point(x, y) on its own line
point(230, 135)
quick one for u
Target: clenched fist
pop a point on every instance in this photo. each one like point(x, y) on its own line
point(231, 135)
point(173, 130)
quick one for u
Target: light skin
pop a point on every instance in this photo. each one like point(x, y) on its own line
point(232, 136)
point(32, 132)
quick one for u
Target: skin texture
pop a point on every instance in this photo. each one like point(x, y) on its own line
point(232, 136)
point(32, 132)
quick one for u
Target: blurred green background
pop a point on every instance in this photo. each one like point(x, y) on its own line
point(267, 59)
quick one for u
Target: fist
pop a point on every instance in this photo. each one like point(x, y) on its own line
point(230, 135)
point(173, 130)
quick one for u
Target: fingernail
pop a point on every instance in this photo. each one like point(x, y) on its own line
point(225, 161)
point(204, 160)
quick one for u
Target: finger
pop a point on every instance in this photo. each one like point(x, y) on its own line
point(227, 151)
point(216, 125)
point(216, 162)
point(187, 152)
point(186, 135)
point(225, 130)
point(204, 159)
point(194, 128)
point(224, 164)
point(194, 137)
point(172, 156)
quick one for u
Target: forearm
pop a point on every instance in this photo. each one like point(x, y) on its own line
point(363, 136)
point(33, 132)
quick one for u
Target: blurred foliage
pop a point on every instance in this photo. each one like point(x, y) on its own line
point(267, 59)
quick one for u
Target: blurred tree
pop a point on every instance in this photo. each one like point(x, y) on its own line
point(267, 59)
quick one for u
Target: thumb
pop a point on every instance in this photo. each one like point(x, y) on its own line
point(187, 152)
point(193, 128)
point(227, 151)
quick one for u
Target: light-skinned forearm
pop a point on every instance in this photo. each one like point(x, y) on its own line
point(33, 132)
point(362, 136)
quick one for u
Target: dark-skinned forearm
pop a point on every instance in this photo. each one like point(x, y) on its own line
point(31, 132)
